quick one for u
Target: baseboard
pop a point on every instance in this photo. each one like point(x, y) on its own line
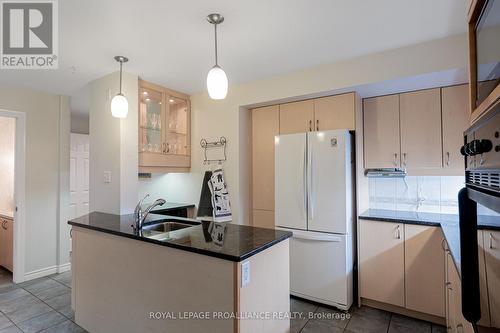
point(403, 311)
point(46, 271)
point(64, 268)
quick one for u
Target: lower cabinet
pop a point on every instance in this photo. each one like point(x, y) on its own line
point(424, 272)
point(402, 265)
point(6, 243)
point(381, 262)
point(492, 262)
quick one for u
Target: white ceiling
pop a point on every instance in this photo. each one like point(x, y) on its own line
point(170, 43)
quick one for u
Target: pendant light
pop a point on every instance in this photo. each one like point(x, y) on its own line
point(119, 104)
point(216, 78)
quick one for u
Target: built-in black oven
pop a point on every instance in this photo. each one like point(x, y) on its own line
point(482, 178)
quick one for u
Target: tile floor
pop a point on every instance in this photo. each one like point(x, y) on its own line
point(41, 305)
point(44, 305)
point(318, 319)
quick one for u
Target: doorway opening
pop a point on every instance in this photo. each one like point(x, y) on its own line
point(12, 184)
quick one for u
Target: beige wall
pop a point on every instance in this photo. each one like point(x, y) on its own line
point(79, 123)
point(7, 144)
point(47, 132)
point(113, 146)
point(212, 119)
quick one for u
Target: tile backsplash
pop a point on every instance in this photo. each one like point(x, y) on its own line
point(434, 194)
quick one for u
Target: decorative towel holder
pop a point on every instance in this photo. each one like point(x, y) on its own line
point(219, 146)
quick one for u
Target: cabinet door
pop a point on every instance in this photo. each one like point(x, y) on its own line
point(177, 126)
point(382, 262)
point(335, 112)
point(421, 144)
point(8, 243)
point(265, 127)
point(492, 259)
point(381, 132)
point(455, 109)
point(483, 286)
point(424, 273)
point(151, 120)
point(451, 289)
point(296, 117)
point(2, 242)
point(263, 218)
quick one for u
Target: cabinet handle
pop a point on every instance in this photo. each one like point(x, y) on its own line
point(317, 124)
point(4, 225)
point(461, 327)
point(448, 285)
point(396, 159)
point(447, 158)
point(443, 245)
point(310, 125)
point(404, 159)
point(491, 241)
point(398, 233)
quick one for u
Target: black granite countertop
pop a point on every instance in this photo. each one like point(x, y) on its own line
point(238, 242)
point(448, 223)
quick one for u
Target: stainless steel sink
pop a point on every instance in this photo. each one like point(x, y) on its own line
point(165, 230)
point(167, 226)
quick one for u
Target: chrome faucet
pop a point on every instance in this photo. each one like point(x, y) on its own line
point(140, 215)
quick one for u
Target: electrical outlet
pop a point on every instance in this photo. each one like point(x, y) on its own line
point(245, 273)
point(107, 177)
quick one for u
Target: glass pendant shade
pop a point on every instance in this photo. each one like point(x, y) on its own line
point(119, 106)
point(217, 83)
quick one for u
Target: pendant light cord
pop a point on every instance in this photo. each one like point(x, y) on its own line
point(121, 64)
point(216, 62)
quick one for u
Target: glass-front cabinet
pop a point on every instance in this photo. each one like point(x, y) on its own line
point(164, 129)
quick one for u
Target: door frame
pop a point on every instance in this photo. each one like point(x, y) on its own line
point(19, 194)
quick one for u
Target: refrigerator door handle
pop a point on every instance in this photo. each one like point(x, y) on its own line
point(310, 189)
point(316, 237)
point(304, 183)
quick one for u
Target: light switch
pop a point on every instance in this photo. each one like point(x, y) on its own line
point(245, 274)
point(107, 177)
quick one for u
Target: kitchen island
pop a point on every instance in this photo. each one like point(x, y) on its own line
point(178, 275)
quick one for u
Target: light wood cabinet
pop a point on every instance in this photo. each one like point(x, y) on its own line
point(381, 132)
point(421, 143)
point(492, 261)
point(6, 243)
point(265, 127)
point(164, 129)
point(263, 219)
point(455, 111)
point(335, 112)
point(424, 272)
point(297, 117)
point(382, 262)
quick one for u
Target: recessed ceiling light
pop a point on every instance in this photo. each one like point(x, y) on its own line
point(159, 103)
point(145, 93)
point(171, 100)
point(148, 99)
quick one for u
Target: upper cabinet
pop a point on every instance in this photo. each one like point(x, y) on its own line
point(455, 108)
point(296, 117)
point(164, 129)
point(335, 112)
point(320, 114)
point(420, 117)
point(381, 132)
point(420, 131)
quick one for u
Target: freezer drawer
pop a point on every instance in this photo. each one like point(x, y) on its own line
point(321, 268)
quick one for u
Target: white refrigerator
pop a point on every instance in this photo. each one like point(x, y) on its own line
point(314, 200)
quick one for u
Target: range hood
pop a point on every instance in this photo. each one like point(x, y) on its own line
point(385, 173)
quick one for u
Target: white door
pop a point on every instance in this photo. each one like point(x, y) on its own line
point(290, 181)
point(79, 175)
point(318, 267)
point(330, 190)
